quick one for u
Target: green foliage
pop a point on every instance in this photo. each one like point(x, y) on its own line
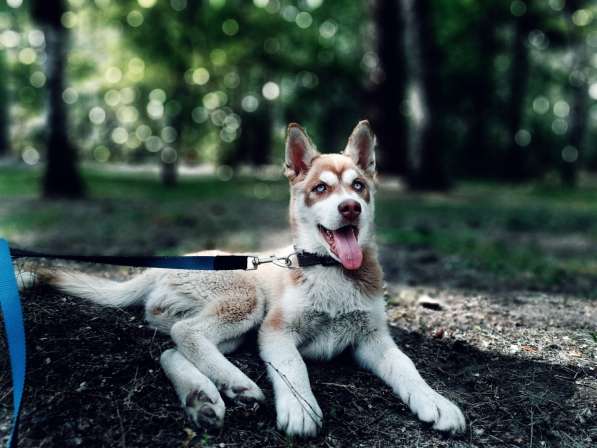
point(190, 79)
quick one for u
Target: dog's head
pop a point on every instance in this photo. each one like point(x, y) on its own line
point(331, 207)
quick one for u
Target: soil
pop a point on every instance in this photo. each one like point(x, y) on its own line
point(520, 363)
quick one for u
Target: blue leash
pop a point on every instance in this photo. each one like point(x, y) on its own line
point(15, 334)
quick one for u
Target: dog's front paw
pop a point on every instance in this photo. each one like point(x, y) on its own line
point(205, 408)
point(432, 407)
point(247, 392)
point(298, 417)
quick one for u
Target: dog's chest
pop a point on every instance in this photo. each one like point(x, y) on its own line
point(323, 336)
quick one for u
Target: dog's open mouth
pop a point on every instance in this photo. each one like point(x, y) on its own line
point(343, 243)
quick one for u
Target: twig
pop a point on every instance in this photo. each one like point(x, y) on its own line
point(296, 394)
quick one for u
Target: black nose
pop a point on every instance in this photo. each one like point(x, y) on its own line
point(350, 209)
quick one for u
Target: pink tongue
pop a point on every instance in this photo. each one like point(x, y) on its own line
point(347, 248)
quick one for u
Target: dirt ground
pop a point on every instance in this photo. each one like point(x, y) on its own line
point(517, 352)
point(520, 363)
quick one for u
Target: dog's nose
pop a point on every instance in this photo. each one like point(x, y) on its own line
point(350, 209)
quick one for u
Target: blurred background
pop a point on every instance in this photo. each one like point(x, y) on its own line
point(157, 127)
point(485, 112)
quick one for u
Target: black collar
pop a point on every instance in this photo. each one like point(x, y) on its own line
point(306, 259)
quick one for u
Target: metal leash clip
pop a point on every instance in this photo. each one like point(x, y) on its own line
point(283, 262)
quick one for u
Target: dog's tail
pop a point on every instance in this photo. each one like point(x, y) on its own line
point(96, 289)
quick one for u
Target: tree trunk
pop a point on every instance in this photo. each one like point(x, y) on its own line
point(429, 171)
point(477, 161)
point(4, 104)
point(61, 177)
point(388, 92)
point(170, 156)
point(255, 142)
point(579, 103)
point(169, 173)
point(578, 124)
point(516, 161)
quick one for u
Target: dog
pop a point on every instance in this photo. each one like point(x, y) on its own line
point(312, 312)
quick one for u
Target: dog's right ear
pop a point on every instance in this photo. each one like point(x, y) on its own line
point(300, 151)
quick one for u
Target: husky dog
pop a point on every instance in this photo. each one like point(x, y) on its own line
point(313, 311)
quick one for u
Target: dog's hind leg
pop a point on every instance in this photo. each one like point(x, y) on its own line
point(202, 339)
point(199, 396)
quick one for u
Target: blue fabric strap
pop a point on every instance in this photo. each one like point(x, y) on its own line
point(15, 333)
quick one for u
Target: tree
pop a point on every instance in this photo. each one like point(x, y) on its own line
point(4, 119)
point(481, 87)
point(516, 161)
point(388, 90)
point(429, 171)
point(61, 177)
point(579, 101)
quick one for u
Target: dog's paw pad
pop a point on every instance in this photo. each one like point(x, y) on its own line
point(204, 410)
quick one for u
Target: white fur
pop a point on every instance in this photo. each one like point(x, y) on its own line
point(206, 405)
point(380, 354)
point(103, 291)
point(349, 176)
point(329, 178)
point(298, 413)
point(208, 314)
point(26, 280)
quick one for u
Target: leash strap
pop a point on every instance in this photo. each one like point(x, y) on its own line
point(197, 263)
point(15, 334)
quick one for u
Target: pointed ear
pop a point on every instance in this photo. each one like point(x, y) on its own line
point(361, 147)
point(300, 151)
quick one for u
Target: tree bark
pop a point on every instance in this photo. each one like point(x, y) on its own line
point(169, 173)
point(388, 92)
point(429, 171)
point(255, 142)
point(477, 161)
point(515, 166)
point(578, 124)
point(579, 101)
point(61, 177)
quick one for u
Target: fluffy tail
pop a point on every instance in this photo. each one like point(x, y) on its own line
point(96, 289)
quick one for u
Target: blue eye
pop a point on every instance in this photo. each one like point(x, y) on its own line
point(320, 188)
point(358, 185)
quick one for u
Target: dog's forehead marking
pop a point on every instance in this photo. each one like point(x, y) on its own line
point(334, 163)
point(349, 176)
point(328, 177)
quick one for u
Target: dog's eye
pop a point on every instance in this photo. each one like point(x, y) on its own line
point(320, 188)
point(358, 185)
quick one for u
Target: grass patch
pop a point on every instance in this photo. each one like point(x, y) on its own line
point(24, 183)
point(490, 227)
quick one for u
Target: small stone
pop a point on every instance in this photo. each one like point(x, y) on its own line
point(432, 304)
point(439, 333)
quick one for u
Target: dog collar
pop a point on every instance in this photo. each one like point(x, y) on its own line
point(306, 259)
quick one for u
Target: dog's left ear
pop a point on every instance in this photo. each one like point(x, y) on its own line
point(300, 151)
point(361, 147)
